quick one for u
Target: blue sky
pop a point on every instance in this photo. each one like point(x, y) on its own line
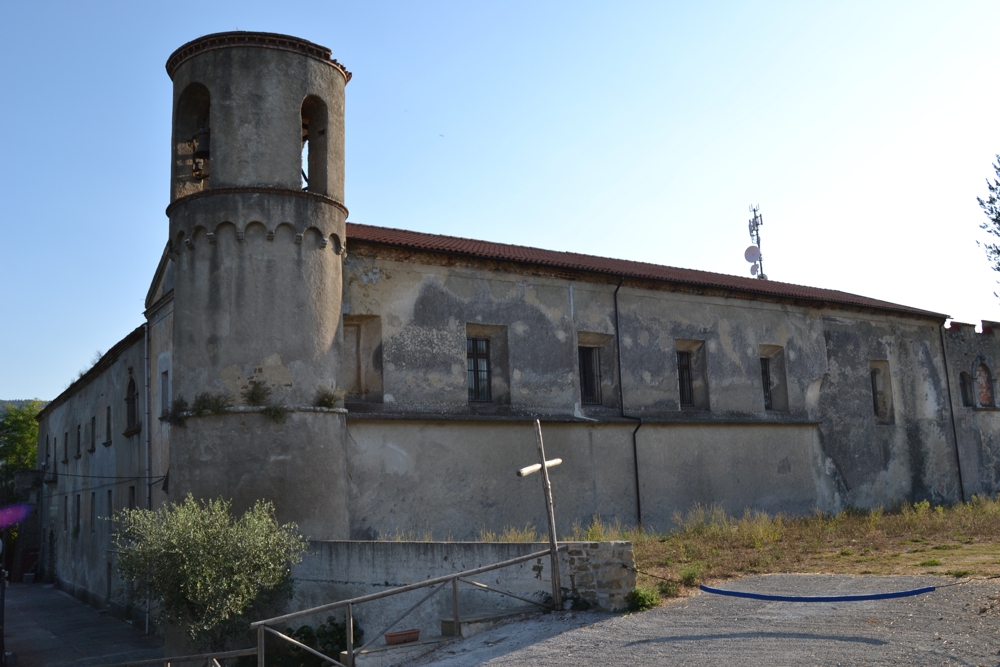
point(640, 130)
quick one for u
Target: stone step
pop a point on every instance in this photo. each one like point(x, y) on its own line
point(475, 623)
point(385, 655)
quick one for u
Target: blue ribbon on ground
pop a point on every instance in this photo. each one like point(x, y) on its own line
point(818, 598)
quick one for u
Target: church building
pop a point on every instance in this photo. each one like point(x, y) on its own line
point(374, 381)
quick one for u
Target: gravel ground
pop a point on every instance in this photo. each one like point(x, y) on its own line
point(957, 625)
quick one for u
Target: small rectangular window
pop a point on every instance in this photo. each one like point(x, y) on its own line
point(65, 513)
point(590, 375)
point(111, 504)
point(765, 376)
point(684, 379)
point(93, 511)
point(478, 356)
point(93, 433)
point(965, 382)
point(79, 440)
point(66, 447)
point(131, 497)
point(164, 392)
point(107, 425)
point(881, 384)
point(76, 515)
point(773, 378)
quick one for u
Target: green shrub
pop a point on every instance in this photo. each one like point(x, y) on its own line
point(668, 589)
point(327, 397)
point(690, 574)
point(275, 413)
point(215, 403)
point(205, 570)
point(256, 393)
point(176, 414)
point(641, 599)
point(329, 638)
point(930, 562)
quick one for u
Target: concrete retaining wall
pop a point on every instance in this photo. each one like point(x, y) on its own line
point(332, 571)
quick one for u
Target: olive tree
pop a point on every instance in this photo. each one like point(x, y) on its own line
point(205, 570)
point(991, 207)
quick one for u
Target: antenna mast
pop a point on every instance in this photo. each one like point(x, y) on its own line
point(752, 253)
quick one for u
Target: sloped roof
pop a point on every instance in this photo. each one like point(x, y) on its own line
point(616, 267)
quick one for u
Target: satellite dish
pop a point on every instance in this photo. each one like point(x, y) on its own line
point(752, 254)
point(763, 277)
point(753, 270)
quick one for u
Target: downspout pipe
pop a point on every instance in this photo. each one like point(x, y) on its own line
point(147, 429)
point(621, 403)
point(951, 411)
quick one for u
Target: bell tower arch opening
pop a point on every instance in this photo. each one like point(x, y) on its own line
point(315, 143)
point(192, 141)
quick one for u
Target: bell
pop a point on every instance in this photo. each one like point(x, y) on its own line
point(202, 140)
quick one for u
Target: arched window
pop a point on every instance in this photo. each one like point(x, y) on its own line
point(315, 140)
point(984, 386)
point(131, 408)
point(965, 382)
point(192, 141)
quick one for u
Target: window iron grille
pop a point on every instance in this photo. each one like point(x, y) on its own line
point(590, 375)
point(684, 379)
point(478, 355)
point(765, 377)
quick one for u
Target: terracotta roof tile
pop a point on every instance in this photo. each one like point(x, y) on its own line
point(616, 267)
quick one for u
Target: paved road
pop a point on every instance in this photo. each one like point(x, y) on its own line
point(959, 625)
point(47, 627)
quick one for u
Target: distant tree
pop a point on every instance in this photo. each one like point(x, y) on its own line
point(206, 571)
point(19, 435)
point(991, 207)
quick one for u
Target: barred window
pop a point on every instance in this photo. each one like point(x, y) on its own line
point(765, 376)
point(132, 406)
point(684, 379)
point(478, 354)
point(590, 375)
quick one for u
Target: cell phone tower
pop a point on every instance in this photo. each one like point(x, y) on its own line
point(752, 253)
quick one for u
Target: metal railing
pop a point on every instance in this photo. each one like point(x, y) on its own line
point(438, 583)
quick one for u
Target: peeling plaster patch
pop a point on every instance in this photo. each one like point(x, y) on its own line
point(232, 379)
point(648, 377)
point(391, 367)
point(394, 320)
point(561, 335)
point(370, 276)
point(813, 392)
point(627, 341)
point(644, 338)
point(388, 398)
point(272, 370)
point(516, 375)
point(278, 457)
point(520, 328)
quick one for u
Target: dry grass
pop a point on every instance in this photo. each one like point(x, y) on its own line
point(960, 540)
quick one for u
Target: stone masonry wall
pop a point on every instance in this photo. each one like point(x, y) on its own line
point(602, 573)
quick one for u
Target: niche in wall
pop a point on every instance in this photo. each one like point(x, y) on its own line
point(361, 371)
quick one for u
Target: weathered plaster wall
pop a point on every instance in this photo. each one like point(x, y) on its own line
point(458, 478)
point(977, 425)
point(821, 361)
point(258, 283)
point(332, 571)
point(80, 558)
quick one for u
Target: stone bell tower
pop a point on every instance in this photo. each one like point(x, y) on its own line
point(257, 233)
